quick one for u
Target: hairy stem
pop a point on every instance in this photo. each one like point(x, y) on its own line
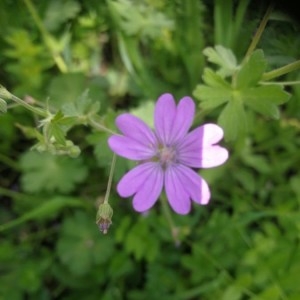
point(281, 71)
point(111, 173)
point(166, 211)
point(99, 126)
point(35, 110)
point(259, 32)
point(46, 37)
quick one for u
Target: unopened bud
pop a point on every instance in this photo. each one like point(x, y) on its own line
point(74, 151)
point(103, 218)
point(4, 93)
point(3, 106)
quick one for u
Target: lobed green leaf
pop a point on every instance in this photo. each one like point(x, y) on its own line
point(223, 57)
point(264, 99)
point(45, 172)
point(251, 71)
point(233, 120)
point(210, 97)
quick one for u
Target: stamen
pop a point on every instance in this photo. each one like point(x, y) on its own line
point(166, 155)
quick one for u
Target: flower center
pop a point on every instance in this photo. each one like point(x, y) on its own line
point(166, 155)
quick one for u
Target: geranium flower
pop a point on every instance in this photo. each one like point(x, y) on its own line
point(167, 155)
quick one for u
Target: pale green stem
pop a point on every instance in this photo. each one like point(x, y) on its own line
point(9, 162)
point(14, 195)
point(35, 110)
point(282, 83)
point(111, 173)
point(46, 36)
point(259, 32)
point(168, 215)
point(282, 71)
point(100, 127)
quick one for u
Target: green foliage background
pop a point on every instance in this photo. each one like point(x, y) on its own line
point(107, 57)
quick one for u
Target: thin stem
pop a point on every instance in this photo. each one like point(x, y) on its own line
point(36, 110)
point(281, 71)
point(100, 127)
point(14, 195)
point(281, 83)
point(111, 173)
point(259, 32)
point(168, 215)
point(9, 162)
point(46, 36)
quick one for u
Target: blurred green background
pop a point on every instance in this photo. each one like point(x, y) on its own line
point(125, 53)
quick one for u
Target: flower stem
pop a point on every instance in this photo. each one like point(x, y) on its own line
point(281, 71)
point(99, 126)
point(35, 110)
point(168, 215)
point(281, 83)
point(9, 162)
point(14, 194)
point(258, 32)
point(46, 36)
point(111, 173)
point(7, 95)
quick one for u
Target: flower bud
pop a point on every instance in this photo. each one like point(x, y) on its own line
point(3, 106)
point(103, 218)
point(4, 93)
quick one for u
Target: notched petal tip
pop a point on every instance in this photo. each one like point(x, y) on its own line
point(165, 97)
point(187, 101)
point(214, 156)
point(212, 133)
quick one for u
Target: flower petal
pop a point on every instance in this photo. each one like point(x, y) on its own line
point(197, 149)
point(131, 181)
point(164, 114)
point(183, 119)
point(133, 127)
point(183, 184)
point(146, 182)
point(211, 134)
point(175, 191)
point(213, 156)
point(195, 186)
point(129, 148)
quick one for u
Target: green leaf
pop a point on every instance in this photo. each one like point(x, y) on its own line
point(264, 99)
point(232, 292)
point(3, 106)
point(210, 97)
point(45, 172)
point(140, 19)
point(46, 210)
point(223, 57)
point(82, 106)
point(212, 79)
point(30, 132)
point(138, 240)
point(216, 91)
point(65, 88)
point(233, 120)
point(57, 133)
point(60, 11)
point(252, 71)
point(81, 246)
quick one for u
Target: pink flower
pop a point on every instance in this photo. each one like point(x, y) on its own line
point(166, 155)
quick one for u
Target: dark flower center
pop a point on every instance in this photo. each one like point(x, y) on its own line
point(166, 155)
